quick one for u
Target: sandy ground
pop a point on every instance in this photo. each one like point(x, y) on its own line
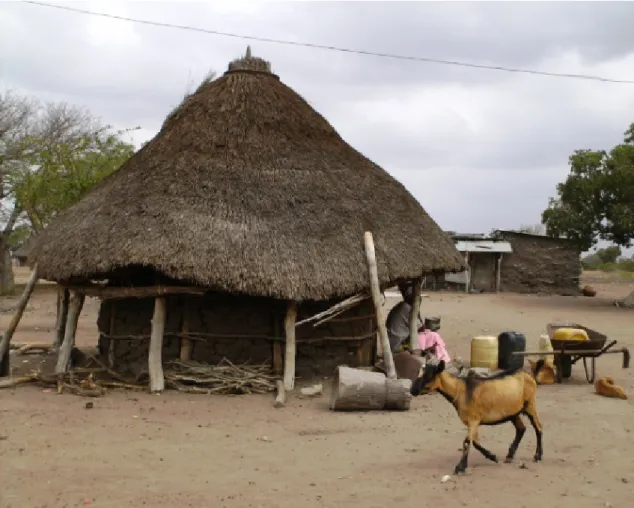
point(175, 450)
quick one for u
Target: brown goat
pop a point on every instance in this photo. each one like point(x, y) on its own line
point(543, 372)
point(485, 401)
point(606, 387)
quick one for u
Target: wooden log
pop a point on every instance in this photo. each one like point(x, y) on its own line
point(15, 320)
point(376, 299)
point(289, 356)
point(361, 390)
point(414, 318)
point(186, 343)
point(111, 343)
point(155, 356)
point(280, 399)
point(109, 293)
point(62, 315)
point(398, 396)
point(75, 304)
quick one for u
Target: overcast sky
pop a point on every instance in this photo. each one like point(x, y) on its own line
point(479, 149)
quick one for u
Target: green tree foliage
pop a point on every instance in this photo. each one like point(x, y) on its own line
point(55, 176)
point(51, 154)
point(596, 201)
point(602, 257)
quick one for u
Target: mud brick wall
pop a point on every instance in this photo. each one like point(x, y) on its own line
point(225, 317)
point(540, 264)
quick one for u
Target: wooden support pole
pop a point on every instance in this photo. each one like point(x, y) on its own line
point(278, 357)
point(289, 357)
point(498, 273)
point(75, 304)
point(280, 399)
point(376, 299)
point(62, 315)
point(186, 343)
point(155, 356)
point(413, 318)
point(467, 273)
point(19, 310)
point(111, 343)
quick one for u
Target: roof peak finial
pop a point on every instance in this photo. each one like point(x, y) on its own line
point(250, 63)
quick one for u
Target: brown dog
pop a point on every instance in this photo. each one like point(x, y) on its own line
point(606, 387)
point(543, 372)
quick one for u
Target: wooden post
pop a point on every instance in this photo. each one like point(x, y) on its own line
point(111, 330)
point(155, 356)
point(278, 357)
point(467, 274)
point(75, 304)
point(19, 310)
point(376, 299)
point(289, 357)
point(498, 273)
point(62, 315)
point(186, 343)
point(413, 318)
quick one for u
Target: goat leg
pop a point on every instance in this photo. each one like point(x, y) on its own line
point(531, 412)
point(520, 429)
point(472, 436)
point(489, 455)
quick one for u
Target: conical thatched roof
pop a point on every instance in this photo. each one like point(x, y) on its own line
point(247, 189)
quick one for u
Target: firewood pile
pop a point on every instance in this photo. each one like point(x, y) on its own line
point(224, 378)
point(94, 378)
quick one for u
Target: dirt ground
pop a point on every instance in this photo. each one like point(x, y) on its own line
point(175, 450)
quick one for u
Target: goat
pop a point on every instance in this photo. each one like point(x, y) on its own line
point(606, 387)
point(485, 401)
point(543, 372)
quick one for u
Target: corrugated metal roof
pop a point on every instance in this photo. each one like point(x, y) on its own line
point(483, 246)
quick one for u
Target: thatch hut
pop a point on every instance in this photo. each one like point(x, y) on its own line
point(246, 206)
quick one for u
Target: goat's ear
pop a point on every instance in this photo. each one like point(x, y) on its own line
point(441, 366)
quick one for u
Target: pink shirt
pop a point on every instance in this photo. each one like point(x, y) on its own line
point(432, 340)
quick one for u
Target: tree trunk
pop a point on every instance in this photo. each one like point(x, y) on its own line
point(7, 282)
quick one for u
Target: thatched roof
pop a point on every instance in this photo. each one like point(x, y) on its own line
point(247, 189)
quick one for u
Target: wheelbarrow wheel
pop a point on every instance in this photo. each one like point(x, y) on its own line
point(589, 375)
point(566, 366)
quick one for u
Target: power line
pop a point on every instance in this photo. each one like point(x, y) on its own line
point(334, 48)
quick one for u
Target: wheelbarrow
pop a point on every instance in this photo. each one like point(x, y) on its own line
point(569, 352)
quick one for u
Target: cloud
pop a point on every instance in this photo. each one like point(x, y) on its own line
point(479, 149)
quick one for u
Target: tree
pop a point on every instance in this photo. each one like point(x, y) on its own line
point(50, 155)
point(596, 201)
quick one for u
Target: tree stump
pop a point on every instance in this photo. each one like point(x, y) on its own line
point(360, 390)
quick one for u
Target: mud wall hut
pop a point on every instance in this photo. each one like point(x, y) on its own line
point(243, 215)
point(540, 264)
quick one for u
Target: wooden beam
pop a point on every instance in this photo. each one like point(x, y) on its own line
point(376, 299)
point(155, 355)
point(75, 305)
point(413, 318)
point(291, 351)
point(111, 293)
point(15, 320)
point(62, 315)
point(186, 343)
point(498, 273)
